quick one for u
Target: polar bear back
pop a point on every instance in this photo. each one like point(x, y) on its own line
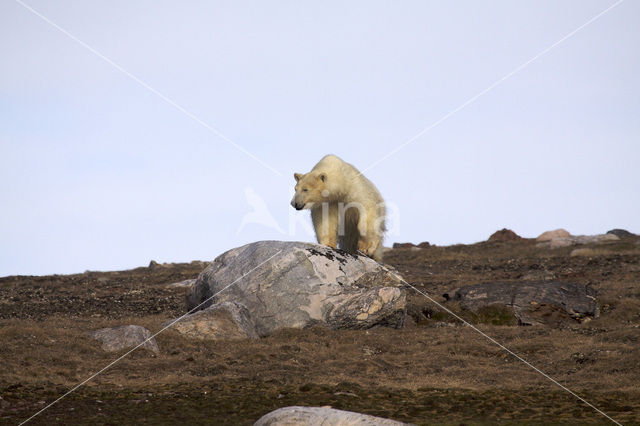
point(345, 183)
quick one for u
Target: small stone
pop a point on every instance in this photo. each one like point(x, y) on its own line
point(539, 275)
point(403, 245)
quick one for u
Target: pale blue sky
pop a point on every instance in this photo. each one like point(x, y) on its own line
point(100, 173)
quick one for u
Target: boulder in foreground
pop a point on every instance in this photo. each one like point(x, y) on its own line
point(293, 284)
point(321, 416)
point(125, 337)
point(532, 301)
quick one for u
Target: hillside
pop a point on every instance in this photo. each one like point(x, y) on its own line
point(435, 370)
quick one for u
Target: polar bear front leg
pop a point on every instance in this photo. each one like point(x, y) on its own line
point(372, 248)
point(325, 223)
point(370, 242)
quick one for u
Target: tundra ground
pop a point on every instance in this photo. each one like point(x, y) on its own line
point(434, 371)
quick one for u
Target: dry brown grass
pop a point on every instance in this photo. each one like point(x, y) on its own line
point(56, 351)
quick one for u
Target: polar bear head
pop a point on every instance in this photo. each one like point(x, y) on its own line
point(310, 189)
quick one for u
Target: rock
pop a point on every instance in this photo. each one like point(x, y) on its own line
point(531, 299)
point(403, 245)
point(583, 252)
point(621, 233)
point(593, 239)
point(424, 244)
point(504, 235)
point(558, 243)
point(561, 238)
point(222, 321)
point(155, 265)
point(321, 416)
point(300, 284)
point(125, 337)
point(183, 284)
point(553, 235)
point(539, 275)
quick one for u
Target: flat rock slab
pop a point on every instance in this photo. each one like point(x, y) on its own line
point(183, 284)
point(578, 301)
point(125, 337)
point(222, 321)
point(293, 284)
point(321, 416)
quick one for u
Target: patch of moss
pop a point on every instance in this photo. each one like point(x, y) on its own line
point(495, 315)
point(442, 316)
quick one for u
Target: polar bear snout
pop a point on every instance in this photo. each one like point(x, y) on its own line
point(296, 205)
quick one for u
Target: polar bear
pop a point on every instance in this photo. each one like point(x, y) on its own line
point(347, 210)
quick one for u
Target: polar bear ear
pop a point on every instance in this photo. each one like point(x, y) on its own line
point(323, 177)
point(297, 176)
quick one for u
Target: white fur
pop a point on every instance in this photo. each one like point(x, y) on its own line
point(349, 195)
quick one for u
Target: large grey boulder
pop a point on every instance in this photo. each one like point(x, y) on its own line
point(321, 416)
point(222, 321)
point(294, 284)
point(124, 337)
point(530, 301)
